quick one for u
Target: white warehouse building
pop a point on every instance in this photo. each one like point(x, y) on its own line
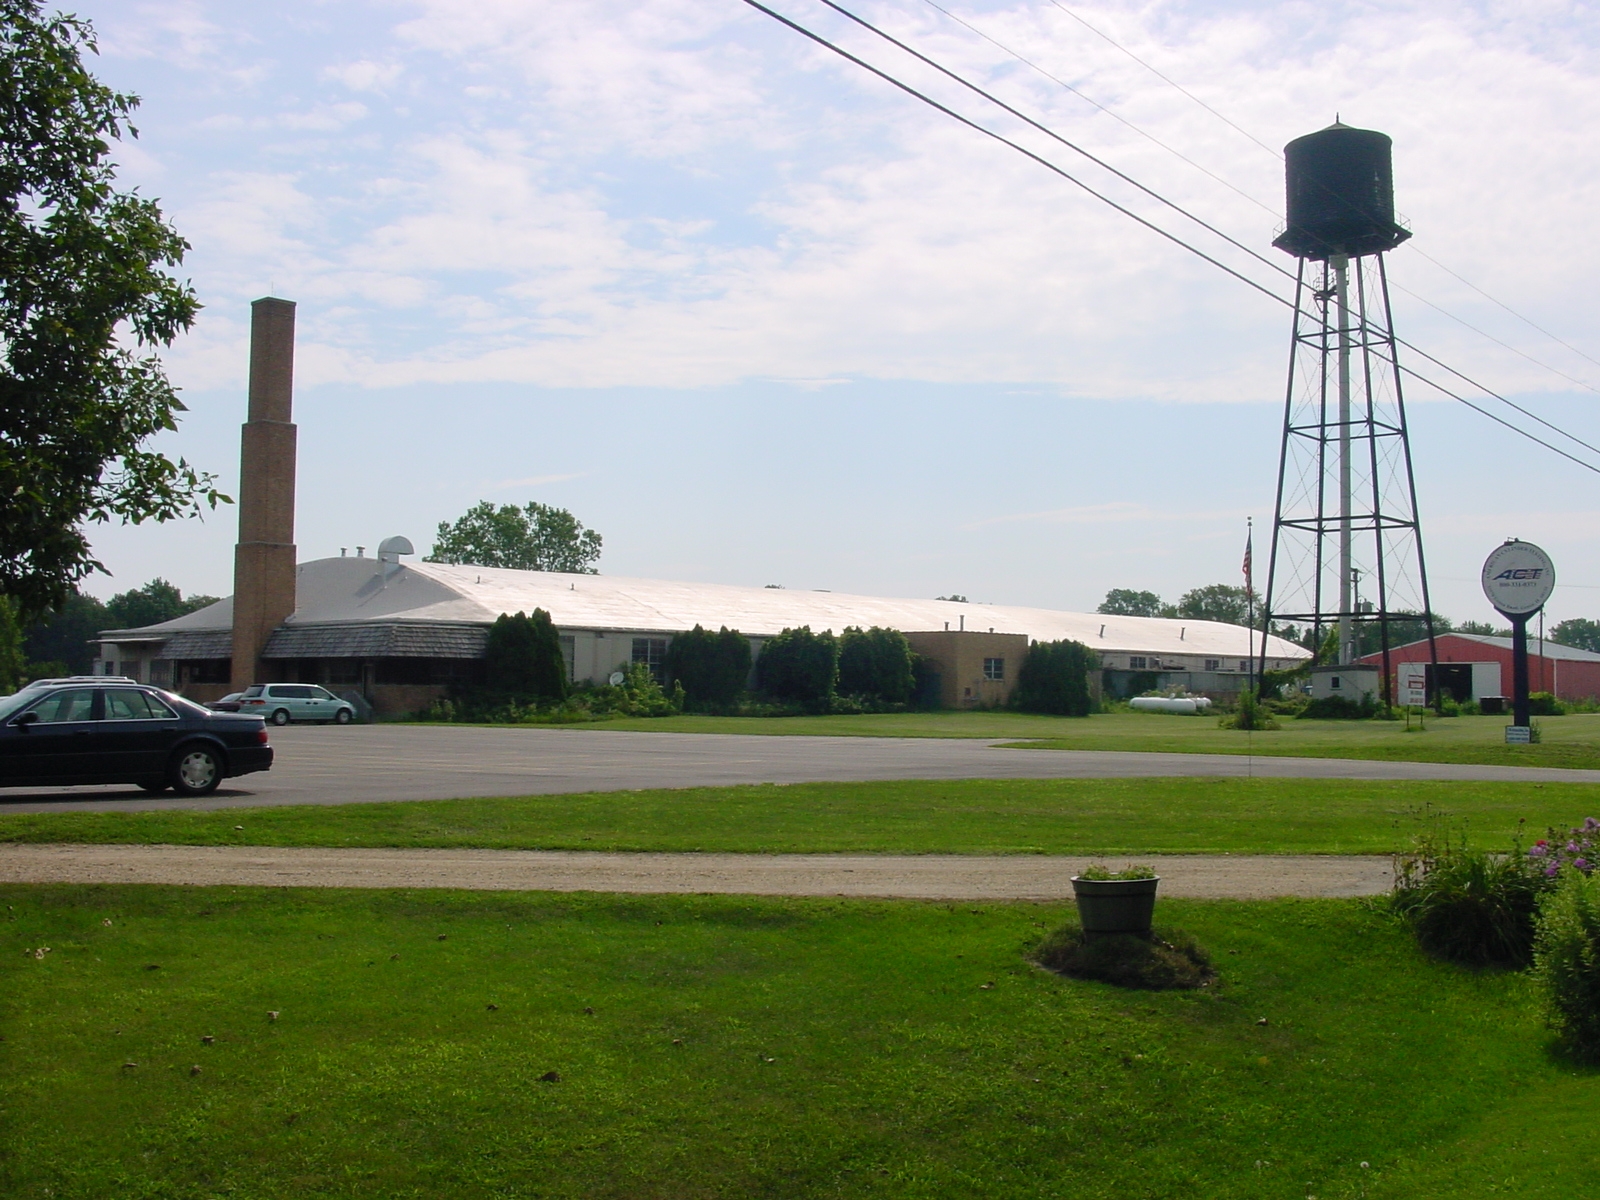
point(403, 634)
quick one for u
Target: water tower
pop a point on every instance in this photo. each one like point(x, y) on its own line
point(1346, 543)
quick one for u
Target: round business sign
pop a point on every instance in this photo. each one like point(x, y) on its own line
point(1518, 578)
point(616, 679)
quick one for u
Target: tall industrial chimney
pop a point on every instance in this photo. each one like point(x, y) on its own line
point(264, 559)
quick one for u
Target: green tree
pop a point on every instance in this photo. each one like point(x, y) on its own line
point(1125, 602)
point(523, 660)
point(1579, 632)
point(1404, 628)
point(13, 660)
point(1054, 679)
point(1482, 629)
point(85, 299)
point(1218, 602)
point(155, 602)
point(66, 636)
point(712, 667)
point(876, 664)
point(534, 538)
point(800, 667)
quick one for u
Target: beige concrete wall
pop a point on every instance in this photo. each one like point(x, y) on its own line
point(959, 655)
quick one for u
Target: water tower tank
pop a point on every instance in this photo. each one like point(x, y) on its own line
point(1340, 194)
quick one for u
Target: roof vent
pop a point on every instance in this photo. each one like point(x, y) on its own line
point(389, 552)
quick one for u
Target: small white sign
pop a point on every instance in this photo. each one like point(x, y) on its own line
point(1519, 735)
point(1414, 685)
point(1518, 578)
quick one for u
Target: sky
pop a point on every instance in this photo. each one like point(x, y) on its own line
point(759, 317)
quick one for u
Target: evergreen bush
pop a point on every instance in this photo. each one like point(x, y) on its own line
point(1567, 962)
point(1544, 704)
point(800, 667)
point(1337, 708)
point(875, 665)
point(523, 660)
point(712, 667)
point(1054, 679)
point(1168, 959)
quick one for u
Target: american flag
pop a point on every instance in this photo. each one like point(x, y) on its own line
point(1249, 583)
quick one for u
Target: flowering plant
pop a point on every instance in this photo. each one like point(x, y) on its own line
point(1099, 873)
point(1579, 849)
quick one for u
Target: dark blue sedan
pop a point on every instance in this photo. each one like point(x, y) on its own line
point(98, 731)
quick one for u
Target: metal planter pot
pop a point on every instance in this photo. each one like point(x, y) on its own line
point(1116, 905)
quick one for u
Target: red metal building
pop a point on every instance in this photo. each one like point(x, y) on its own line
point(1570, 673)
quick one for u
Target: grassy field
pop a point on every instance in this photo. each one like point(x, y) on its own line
point(1055, 816)
point(711, 1047)
point(1571, 741)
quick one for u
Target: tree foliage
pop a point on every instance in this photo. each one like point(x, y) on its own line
point(712, 667)
point(1125, 602)
point(1216, 602)
point(533, 538)
point(1054, 679)
point(1580, 633)
point(523, 660)
point(85, 298)
point(800, 667)
point(876, 665)
point(151, 604)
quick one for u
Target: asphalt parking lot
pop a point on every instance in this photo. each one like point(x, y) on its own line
point(368, 763)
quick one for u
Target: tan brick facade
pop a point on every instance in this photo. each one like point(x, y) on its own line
point(959, 658)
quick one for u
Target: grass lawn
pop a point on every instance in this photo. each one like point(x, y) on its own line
point(1571, 741)
point(749, 1047)
point(1044, 816)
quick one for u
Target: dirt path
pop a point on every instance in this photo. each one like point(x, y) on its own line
point(924, 877)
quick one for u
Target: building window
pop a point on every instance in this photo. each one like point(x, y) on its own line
point(1213, 664)
point(1333, 682)
point(994, 668)
point(1244, 665)
point(652, 652)
point(569, 655)
point(161, 672)
point(1136, 662)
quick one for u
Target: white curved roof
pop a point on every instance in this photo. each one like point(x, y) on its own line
point(336, 590)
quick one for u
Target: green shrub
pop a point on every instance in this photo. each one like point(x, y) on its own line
point(1337, 708)
point(1544, 704)
point(1476, 907)
point(1054, 679)
point(800, 667)
point(712, 667)
point(875, 665)
point(1169, 959)
point(1251, 714)
point(1567, 963)
point(523, 660)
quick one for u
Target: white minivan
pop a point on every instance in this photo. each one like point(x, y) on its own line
point(281, 703)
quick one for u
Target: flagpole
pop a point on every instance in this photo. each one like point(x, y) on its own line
point(1250, 601)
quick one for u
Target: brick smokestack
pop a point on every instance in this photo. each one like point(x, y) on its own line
point(264, 559)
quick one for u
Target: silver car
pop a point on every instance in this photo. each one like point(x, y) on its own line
point(281, 703)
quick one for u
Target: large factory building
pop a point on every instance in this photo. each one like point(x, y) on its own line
point(404, 634)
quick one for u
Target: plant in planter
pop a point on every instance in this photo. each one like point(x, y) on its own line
point(1116, 902)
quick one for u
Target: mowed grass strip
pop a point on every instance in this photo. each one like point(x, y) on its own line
point(1571, 742)
point(1049, 816)
point(713, 1046)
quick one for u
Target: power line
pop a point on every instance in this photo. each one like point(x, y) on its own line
point(1050, 133)
point(1532, 324)
point(1050, 166)
point(1259, 204)
point(1166, 79)
point(1583, 383)
point(1020, 149)
point(1497, 420)
point(1506, 306)
point(1112, 113)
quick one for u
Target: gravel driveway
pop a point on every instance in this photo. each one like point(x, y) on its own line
point(922, 876)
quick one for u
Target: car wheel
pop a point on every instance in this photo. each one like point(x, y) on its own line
point(154, 789)
point(281, 717)
point(196, 771)
point(342, 717)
